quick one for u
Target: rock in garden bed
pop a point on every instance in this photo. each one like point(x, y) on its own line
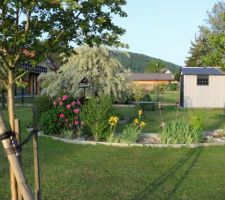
point(149, 138)
point(215, 136)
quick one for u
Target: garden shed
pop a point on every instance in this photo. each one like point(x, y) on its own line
point(202, 87)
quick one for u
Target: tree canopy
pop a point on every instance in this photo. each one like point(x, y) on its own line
point(45, 27)
point(154, 67)
point(31, 31)
point(208, 49)
point(105, 74)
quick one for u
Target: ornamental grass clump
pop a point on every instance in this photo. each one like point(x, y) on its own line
point(132, 131)
point(181, 131)
point(63, 116)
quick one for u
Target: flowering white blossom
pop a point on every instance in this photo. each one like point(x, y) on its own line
point(105, 75)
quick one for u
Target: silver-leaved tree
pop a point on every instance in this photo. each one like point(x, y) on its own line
point(105, 74)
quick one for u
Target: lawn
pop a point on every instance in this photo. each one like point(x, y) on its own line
point(167, 97)
point(88, 172)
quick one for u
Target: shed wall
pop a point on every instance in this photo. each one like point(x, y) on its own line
point(210, 96)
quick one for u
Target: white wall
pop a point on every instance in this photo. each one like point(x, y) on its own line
point(210, 96)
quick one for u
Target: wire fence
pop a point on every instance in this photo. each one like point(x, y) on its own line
point(20, 100)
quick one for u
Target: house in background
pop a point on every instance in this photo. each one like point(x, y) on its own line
point(31, 79)
point(202, 87)
point(149, 81)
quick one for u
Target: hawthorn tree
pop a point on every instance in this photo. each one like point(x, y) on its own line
point(31, 30)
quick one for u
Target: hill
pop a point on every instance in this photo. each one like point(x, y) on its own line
point(137, 62)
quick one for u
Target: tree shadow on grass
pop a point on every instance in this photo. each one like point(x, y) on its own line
point(149, 190)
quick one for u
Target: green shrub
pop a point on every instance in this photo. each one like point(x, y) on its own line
point(49, 123)
point(67, 134)
point(95, 114)
point(137, 92)
point(146, 97)
point(63, 115)
point(43, 103)
point(172, 87)
point(180, 132)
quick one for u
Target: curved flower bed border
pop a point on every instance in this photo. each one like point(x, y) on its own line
point(75, 141)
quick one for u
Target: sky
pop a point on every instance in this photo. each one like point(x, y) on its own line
point(163, 28)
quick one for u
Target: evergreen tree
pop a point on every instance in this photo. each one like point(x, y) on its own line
point(208, 49)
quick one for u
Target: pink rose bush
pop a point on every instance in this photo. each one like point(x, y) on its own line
point(63, 116)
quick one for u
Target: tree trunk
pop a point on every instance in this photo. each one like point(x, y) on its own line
point(10, 92)
point(15, 164)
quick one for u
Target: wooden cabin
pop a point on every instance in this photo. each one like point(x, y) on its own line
point(149, 81)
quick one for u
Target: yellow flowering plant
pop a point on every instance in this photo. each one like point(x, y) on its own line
point(138, 122)
point(113, 120)
point(132, 131)
point(140, 112)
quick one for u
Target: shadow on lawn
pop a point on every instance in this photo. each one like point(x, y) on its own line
point(148, 191)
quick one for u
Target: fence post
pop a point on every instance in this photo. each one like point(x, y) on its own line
point(18, 137)
point(14, 162)
point(13, 185)
point(36, 156)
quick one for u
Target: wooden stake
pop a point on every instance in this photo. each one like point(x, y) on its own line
point(13, 183)
point(36, 156)
point(15, 164)
point(18, 137)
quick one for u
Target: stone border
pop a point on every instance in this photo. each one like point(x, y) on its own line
point(75, 141)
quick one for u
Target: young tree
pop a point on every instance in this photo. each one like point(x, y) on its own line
point(30, 30)
point(105, 74)
point(208, 48)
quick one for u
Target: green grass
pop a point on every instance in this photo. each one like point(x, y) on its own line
point(88, 172)
point(168, 97)
point(211, 117)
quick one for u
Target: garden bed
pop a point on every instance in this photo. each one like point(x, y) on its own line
point(157, 145)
